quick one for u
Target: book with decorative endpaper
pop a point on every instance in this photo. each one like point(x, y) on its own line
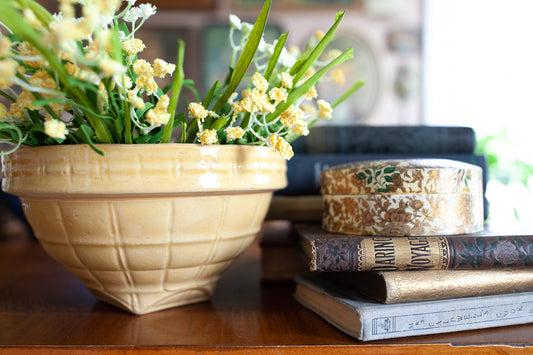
point(366, 319)
point(491, 248)
point(426, 285)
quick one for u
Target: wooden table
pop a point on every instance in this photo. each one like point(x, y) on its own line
point(44, 309)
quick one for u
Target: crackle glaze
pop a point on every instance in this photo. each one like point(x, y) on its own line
point(145, 227)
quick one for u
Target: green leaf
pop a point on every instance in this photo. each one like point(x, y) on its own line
point(361, 176)
point(89, 133)
point(388, 179)
point(246, 56)
point(177, 84)
point(348, 93)
point(389, 170)
point(209, 97)
point(275, 56)
point(319, 48)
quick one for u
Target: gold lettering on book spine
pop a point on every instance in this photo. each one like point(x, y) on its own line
point(385, 253)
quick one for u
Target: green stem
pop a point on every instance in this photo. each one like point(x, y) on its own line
point(177, 84)
point(127, 124)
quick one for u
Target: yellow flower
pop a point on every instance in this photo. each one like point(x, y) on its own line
point(198, 110)
point(208, 136)
point(55, 129)
point(3, 111)
point(312, 93)
point(136, 101)
point(233, 133)
point(72, 69)
point(132, 46)
point(338, 76)
point(26, 49)
point(8, 70)
point(111, 67)
point(159, 115)
point(162, 68)
point(325, 109)
point(247, 105)
point(291, 116)
point(156, 117)
point(42, 79)
point(319, 34)
point(286, 80)
point(280, 145)
point(261, 101)
point(300, 127)
point(145, 76)
point(25, 100)
point(16, 111)
point(278, 95)
point(260, 82)
point(5, 46)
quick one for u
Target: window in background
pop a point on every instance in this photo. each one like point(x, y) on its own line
point(478, 60)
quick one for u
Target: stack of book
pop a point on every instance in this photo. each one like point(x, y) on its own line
point(405, 286)
point(394, 286)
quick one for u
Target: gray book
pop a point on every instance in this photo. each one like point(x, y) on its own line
point(366, 319)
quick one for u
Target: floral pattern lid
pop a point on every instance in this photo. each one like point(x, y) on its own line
point(424, 176)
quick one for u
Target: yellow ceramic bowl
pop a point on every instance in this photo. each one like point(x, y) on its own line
point(145, 227)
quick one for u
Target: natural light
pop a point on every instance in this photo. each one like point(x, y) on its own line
point(479, 73)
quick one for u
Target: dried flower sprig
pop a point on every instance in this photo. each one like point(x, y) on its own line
point(76, 80)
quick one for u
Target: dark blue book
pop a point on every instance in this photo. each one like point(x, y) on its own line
point(349, 139)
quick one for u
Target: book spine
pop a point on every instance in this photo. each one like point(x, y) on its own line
point(387, 139)
point(382, 253)
point(421, 318)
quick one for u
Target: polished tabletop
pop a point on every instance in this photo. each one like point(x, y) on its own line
point(44, 308)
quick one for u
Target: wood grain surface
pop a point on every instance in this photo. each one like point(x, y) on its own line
point(44, 309)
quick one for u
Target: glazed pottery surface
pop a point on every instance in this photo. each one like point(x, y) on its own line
point(145, 227)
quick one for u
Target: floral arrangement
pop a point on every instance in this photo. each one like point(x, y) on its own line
point(73, 80)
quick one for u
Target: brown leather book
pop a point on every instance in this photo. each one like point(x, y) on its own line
point(489, 249)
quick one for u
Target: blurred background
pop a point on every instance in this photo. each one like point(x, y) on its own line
point(424, 62)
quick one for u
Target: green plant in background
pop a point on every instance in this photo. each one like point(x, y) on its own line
point(505, 167)
point(75, 80)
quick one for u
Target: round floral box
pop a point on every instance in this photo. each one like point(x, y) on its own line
point(411, 197)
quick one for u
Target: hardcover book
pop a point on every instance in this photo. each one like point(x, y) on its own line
point(425, 285)
point(421, 139)
point(491, 248)
point(366, 319)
